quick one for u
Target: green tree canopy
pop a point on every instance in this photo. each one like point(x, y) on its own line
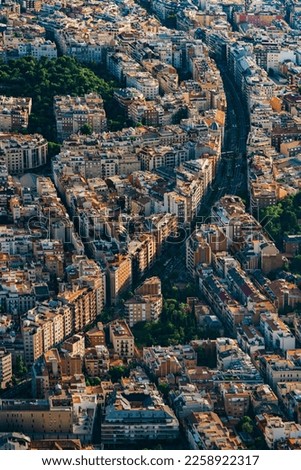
point(177, 325)
point(116, 373)
point(86, 129)
point(282, 218)
point(43, 79)
point(20, 368)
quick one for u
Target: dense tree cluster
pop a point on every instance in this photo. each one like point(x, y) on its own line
point(177, 325)
point(20, 368)
point(43, 79)
point(283, 218)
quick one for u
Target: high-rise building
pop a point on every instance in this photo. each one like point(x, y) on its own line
point(119, 273)
point(5, 367)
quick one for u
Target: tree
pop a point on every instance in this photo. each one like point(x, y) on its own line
point(164, 388)
point(282, 218)
point(86, 129)
point(289, 219)
point(246, 425)
point(43, 79)
point(176, 325)
point(53, 149)
point(297, 200)
point(296, 264)
point(117, 372)
point(247, 428)
point(21, 368)
point(92, 381)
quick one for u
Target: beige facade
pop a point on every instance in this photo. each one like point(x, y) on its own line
point(43, 327)
point(162, 227)
point(160, 362)
point(206, 431)
point(75, 345)
point(197, 251)
point(72, 114)
point(97, 361)
point(122, 339)
point(119, 276)
point(14, 113)
point(23, 152)
point(143, 253)
point(236, 400)
point(83, 304)
point(5, 368)
point(42, 419)
point(96, 336)
point(143, 308)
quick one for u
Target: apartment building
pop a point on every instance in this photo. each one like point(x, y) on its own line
point(119, 275)
point(75, 345)
point(144, 82)
point(137, 413)
point(57, 417)
point(126, 96)
point(145, 112)
point(122, 339)
point(23, 152)
point(38, 48)
point(200, 246)
point(96, 336)
point(287, 293)
point(236, 399)
point(47, 325)
point(160, 361)
point(154, 157)
point(142, 250)
point(72, 113)
point(206, 431)
point(250, 339)
point(14, 113)
point(92, 276)
point(143, 308)
point(97, 361)
point(178, 205)
point(277, 335)
point(119, 63)
point(5, 368)
point(289, 394)
point(278, 369)
point(234, 364)
point(39, 418)
point(276, 430)
point(263, 398)
point(33, 343)
point(198, 252)
point(292, 244)
point(83, 305)
point(55, 326)
point(55, 370)
point(162, 226)
point(189, 399)
point(147, 303)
